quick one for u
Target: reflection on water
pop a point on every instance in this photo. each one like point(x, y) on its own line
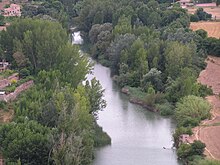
point(138, 136)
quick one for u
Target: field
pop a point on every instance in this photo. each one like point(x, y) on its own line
point(213, 28)
point(3, 3)
point(209, 130)
point(215, 11)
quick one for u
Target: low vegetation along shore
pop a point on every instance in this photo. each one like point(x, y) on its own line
point(156, 61)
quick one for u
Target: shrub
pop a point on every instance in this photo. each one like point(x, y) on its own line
point(208, 162)
point(24, 73)
point(100, 137)
point(13, 81)
point(194, 18)
point(191, 110)
point(10, 89)
point(187, 151)
point(165, 109)
point(2, 104)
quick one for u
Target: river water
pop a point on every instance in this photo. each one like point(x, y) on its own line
point(138, 136)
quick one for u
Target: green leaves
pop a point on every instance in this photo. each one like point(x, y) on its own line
point(26, 140)
point(95, 95)
point(190, 110)
point(39, 41)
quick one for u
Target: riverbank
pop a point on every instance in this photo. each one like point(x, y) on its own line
point(136, 96)
point(138, 136)
point(209, 130)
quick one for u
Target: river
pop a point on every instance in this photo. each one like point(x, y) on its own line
point(138, 136)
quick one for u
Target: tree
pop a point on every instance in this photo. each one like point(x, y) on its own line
point(177, 57)
point(95, 95)
point(114, 51)
point(152, 78)
point(184, 151)
point(100, 36)
point(198, 147)
point(202, 14)
point(123, 26)
point(143, 13)
point(2, 20)
point(20, 59)
point(188, 151)
point(217, 2)
point(73, 143)
point(193, 108)
point(25, 140)
point(38, 39)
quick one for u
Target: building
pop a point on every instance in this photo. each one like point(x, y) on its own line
point(3, 66)
point(184, 138)
point(13, 10)
point(186, 3)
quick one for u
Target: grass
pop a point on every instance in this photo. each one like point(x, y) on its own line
point(6, 73)
point(13, 86)
point(137, 93)
point(209, 125)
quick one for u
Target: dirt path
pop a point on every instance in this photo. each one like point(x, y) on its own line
point(209, 130)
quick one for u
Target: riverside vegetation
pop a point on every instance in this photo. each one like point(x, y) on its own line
point(154, 55)
point(148, 46)
point(55, 121)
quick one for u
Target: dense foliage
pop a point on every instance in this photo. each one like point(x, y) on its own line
point(153, 54)
point(52, 10)
point(55, 120)
point(146, 43)
point(190, 110)
point(200, 15)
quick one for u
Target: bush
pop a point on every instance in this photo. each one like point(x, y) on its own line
point(7, 73)
point(207, 162)
point(24, 73)
point(136, 93)
point(2, 104)
point(13, 81)
point(202, 15)
point(165, 109)
point(189, 121)
point(198, 147)
point(188, 151)
point(7, 6)
point(100, 137)
point(10, 89)
point(190, 110)
point(204, 90)
point(194, 18)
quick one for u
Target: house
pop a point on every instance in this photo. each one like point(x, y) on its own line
point(186, 3)
point(184, 138)
point(13, 10)
point(206, 5)
point(3, 66)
